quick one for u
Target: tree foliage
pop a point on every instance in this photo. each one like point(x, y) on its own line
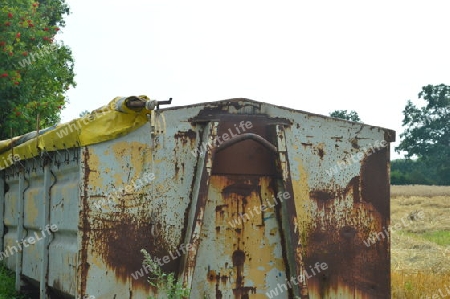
point(35, 71)
point(410, 172)
point(344, 114)
point(427, 133)
point(84, 113)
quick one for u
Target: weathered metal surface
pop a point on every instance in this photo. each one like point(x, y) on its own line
point(244, 260)
point(240, 251)
point(41, 194)
point(212, 164)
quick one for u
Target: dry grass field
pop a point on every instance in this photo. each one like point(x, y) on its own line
point(420, 248)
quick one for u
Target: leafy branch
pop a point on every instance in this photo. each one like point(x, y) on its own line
point(163, 281)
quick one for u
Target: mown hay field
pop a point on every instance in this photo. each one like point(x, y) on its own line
point(420, 249)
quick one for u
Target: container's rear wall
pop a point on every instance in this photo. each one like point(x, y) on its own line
point(342, 199)
point(136, 193)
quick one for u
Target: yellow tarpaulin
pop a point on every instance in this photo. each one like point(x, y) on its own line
point(106, 123)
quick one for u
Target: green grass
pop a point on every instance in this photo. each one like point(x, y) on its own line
point(7, 284)
point(440, 237)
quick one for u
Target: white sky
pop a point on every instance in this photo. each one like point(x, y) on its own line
point(316, 56)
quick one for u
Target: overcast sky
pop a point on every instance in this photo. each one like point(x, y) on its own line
point(316, 56)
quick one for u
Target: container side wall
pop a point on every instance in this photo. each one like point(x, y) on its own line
point(11, 198)
point(47, 248)
point(64, 213)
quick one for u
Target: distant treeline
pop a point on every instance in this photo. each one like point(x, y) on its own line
point(408, 171)
point(426, 136)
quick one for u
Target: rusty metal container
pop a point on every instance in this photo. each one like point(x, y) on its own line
point(240, 199)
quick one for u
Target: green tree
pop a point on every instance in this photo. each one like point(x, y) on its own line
point(427, 133)
point(409, 171)
point(344, 114)
point(84, 113)
point(35, 71)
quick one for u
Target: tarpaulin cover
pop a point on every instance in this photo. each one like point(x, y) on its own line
point(106, 123)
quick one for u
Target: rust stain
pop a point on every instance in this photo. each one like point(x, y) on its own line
point(320, 150)
point(114, 237)
point(120, 238)
point(354, 143)
point(348, 232)
point(240, 195)
point(226, 108)
point(179, 170)
point(322, 195)
point(218, 292)
point(197, 224)
point(221, 212)
point(244, 292)
point(186, 136)
point(293, 248)
point(389, 135)
point(338, 240)
point(242, 188)
point(238, 262)
point(84, 265)
point(353, 189)
point(246, 155)
point(315, 149)
point(375, 182)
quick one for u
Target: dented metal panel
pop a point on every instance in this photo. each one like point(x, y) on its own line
point(240, 199)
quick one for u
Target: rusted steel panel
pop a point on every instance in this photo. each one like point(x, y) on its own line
point(248, 153)
point(121, 216)
point(342, 208)
point(209, 177)
point(242, 255)
point(115, 217)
